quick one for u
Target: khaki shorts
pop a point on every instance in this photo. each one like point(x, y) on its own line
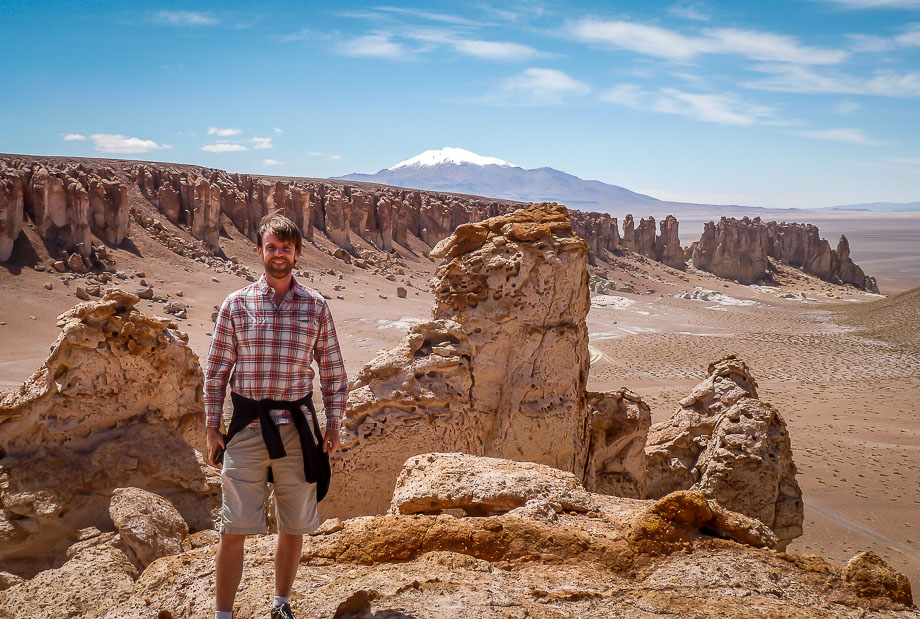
point(245, 486)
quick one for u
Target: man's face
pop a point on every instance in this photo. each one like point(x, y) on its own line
point(277, 256)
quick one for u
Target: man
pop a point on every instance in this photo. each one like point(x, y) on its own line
point(268, 334)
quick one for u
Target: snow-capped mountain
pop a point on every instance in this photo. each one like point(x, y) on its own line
point(455, 156)
point(457, 170)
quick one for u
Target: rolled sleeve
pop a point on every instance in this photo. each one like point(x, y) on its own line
point(332, 378)
point(221, 359)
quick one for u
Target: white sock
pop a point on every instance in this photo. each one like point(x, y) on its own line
point(223, 614)
point(280, 600)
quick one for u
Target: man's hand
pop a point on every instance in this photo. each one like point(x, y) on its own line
point(215, 440)
point(331, 443)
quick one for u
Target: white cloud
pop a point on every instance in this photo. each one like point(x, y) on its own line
point(877, 4)
point(116, 143)
point(223, 132)
point(494, 50)
point(648, 40)
point(850, 136)
point(331, 156)
point(223, 147)
point(486, 50)
point(262, 143)
point(537, 85)
point(438, 17)
point(846, 107)
point(301, 35)
point(277, 130)
point(723, 109)
point(786, 78)
point(272, 162)
point(663, 43)
point(688, 10)
point(769, 47)
point(186, 18)
point(373, 46)
point(74, 137)
point(909, 37)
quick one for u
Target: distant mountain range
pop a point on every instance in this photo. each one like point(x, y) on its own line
point(878, 207)
point(456, 170)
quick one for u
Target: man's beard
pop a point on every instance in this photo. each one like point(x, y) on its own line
point(276, 272)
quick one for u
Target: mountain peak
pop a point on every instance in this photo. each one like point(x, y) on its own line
point(449, 155)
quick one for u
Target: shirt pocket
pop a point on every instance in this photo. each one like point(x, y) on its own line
point(254, 333)
point(303, 330)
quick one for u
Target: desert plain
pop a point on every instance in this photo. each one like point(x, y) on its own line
point(841, 365)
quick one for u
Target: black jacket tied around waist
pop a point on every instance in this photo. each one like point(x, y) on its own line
point(315, 461)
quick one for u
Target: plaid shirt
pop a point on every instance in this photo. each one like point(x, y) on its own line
point(271, 348)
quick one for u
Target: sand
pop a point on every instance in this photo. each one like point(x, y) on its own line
point(848, 387)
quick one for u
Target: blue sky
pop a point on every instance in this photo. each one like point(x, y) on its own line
point(782, 104)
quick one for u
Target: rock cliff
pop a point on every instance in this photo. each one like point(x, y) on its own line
point(739, 249)
point(67, 203)
point(117, 403)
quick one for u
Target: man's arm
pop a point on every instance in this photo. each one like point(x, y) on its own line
point(332, 378)
point(221, 358)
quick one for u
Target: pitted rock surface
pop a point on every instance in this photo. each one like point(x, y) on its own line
point(117, 403)
point(726, 443)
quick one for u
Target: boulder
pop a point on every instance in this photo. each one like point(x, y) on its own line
point(871, 576)
point(149, 524)
point(89, 584)
point(118, 391)
point(432, 483)
point(730, 446)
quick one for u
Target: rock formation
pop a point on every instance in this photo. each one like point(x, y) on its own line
point(502, 365)
point(726, 443)
point(541, 545)
point(733, 249)
point(66, 202)
point(116, 404)
point(10, 213)
point(738, 249)
point(501, 371)
point(667, 246)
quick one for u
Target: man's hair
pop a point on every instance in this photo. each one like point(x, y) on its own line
point(282, 227)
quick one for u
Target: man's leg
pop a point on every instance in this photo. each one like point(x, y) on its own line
point(287, 560)
point(229, 570)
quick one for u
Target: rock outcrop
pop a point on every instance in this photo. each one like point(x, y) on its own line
point(116, 404)
point(501, 372)
point(501, 368)
point(66, 202)
point(738, 249)
point(733, 249)
point(682, 555)
point(11, 209)
point(729, 445)
point(667, 246)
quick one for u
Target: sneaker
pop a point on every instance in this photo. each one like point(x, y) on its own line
point(282, 612)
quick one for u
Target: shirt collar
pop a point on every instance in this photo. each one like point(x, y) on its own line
point(268, 291)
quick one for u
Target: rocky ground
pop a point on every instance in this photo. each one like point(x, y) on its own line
point(839, 364)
